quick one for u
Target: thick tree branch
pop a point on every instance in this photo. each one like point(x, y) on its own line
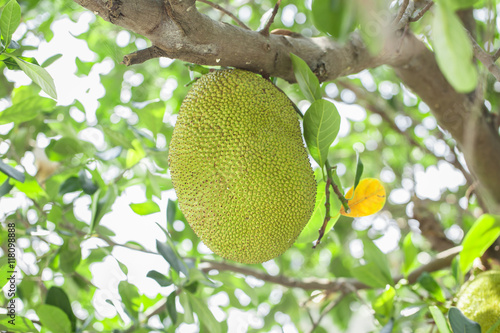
point(185, 34)
point(476, 136)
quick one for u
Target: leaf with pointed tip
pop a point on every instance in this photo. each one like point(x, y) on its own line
point(462, 324)
point(308, 82)
point(39, 75)
point(321, 126)
point(9, 20)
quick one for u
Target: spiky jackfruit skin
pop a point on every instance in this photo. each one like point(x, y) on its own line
point(239, 167)
point(479, 299)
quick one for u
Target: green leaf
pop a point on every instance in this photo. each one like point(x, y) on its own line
point(335, 17)
point(9, 20)
point(152, 185)
point(159, 277)
point(308, 82)
point(130, 298)
point(6, 187)
point(51, 60)
point(321, 126)
point(22, 324)
point(145, 208)
point(134, 155)
point(123, 267)
point(370, 275)
point(152, 116)
point(117, 138)
point(26, 109)
point(57, 297)
point(429, 283)
point(86, 182)
point(54, 319)
point(310, 231)
point(31, 188)
point(410, 254)
point(12, 172)
point(186, 305)
point(481, 235)
point(101, 204)
point(171, 309)
point(376, 272)
point(383, 305)
point(12, 64)
point(439, 319)
point(67, 146)
point(373, 254)
point(72, 184)
point(205, 316)
point(453, 49)
point(462, 4)
point(70, 255)
point(5, 270)
point(39, 75)
point(462, 324)
point(171, 210)
point(359, 171)
point(171, 257)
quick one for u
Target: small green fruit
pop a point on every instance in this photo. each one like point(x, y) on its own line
point(479, 299)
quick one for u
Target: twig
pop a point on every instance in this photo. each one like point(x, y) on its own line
point(422, 12)
point(265, 30)
point(401, 11)
point(485, 58)
point(228, 13)
point(343, 200)
point(143, 55)
point(406, 15)
point(327, 211)
point(496, 55)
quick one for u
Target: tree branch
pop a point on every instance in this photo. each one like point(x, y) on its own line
point(185, 34)
point(463, 118)
point(441, 261)
point(422, 12)
point(265, 30)
point(485, 58)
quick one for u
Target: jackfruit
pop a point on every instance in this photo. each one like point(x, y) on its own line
point(479, 299)
point(239, 166)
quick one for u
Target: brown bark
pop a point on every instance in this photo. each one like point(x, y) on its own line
point(177, 29)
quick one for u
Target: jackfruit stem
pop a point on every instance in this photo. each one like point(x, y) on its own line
point(330, 182)
point(343, 200)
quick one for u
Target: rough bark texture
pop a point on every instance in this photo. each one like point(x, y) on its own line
point(177, 30)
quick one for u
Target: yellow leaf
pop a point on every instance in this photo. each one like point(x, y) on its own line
point(368, 198)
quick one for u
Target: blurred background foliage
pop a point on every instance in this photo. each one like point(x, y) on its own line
point(97, 201)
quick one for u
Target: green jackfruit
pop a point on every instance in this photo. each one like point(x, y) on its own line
point(239, 166)
point(479, 299)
